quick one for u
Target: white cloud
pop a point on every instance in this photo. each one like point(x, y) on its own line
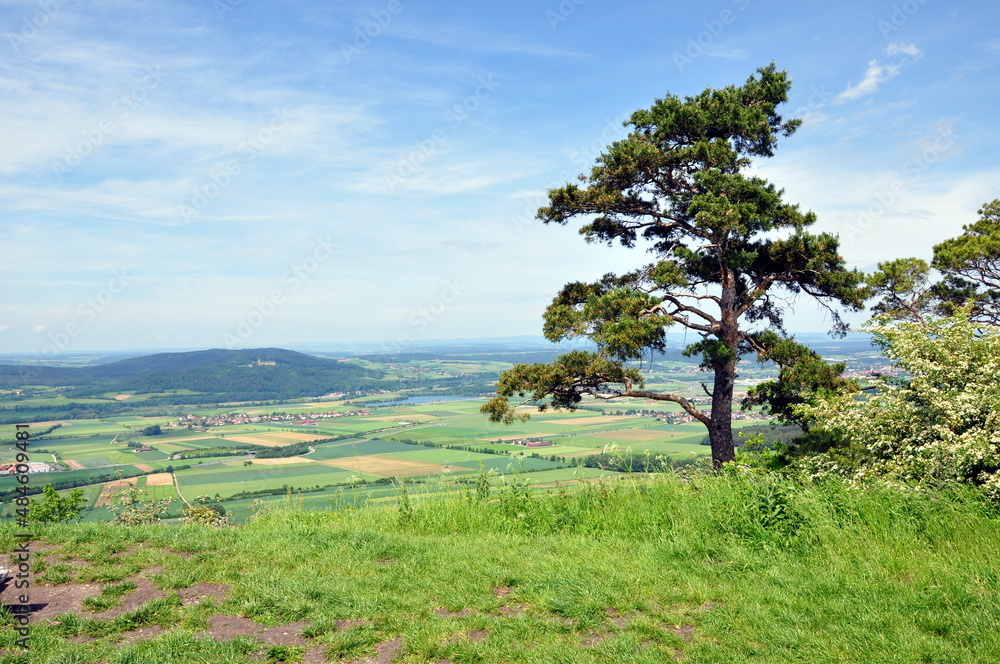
point(876, 75)
point(879, 72)
point(904, 48)
point(38, 328)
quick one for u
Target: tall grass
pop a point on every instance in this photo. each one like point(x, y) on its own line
point(730, 568)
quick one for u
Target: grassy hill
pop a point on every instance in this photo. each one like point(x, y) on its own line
point(709, 569)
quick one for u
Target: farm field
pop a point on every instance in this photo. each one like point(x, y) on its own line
point(346, 460)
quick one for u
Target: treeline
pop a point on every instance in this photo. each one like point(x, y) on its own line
point(463, 448)
point(282, 452)
point(212, 452)
point(35, 435)
point(285, 489)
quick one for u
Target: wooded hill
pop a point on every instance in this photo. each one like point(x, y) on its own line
point(229, 375)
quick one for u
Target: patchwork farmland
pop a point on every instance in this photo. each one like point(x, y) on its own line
point(438, 446)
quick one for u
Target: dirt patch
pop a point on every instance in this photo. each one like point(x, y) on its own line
point(315, 655)
point(289, 635)
point(284, 461)
point(513, 609)
point(199, 592)
point(223, 627)
point(684, 631)
point(385, 653)
point(122, 397)
point(73, 464)
point(452, 614)
point(52, 601)
point(618, 619)
point(144, 467)
point(348, 623)
point(386, 466)
point(108, 492)
point(142, 594)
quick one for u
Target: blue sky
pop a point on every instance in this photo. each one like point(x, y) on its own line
point(235, 173)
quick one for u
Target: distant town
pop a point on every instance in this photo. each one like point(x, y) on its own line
point(202, 422)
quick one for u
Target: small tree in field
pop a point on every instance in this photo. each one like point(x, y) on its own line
point(53, 508)
point(724, 248)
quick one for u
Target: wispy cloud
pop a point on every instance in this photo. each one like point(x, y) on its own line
point(879, 72)
point(876, 75)
point(904, 48)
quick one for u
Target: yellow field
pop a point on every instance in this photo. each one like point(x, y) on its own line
point(108, 492)
point(281, 462)
point(386, 466)
point(277, 438)
point(187, 438)
point(415, 417)
point(146, 468)
point(596, 419)
point(159, 479)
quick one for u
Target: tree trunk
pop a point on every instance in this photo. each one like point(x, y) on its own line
point(720, 427)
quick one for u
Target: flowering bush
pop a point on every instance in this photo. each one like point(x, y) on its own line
point(940, 424)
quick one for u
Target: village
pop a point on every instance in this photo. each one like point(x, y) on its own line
point(201, 421)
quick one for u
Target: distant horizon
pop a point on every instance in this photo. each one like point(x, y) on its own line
point(376, 348)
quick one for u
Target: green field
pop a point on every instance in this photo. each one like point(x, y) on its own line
point(88, 443)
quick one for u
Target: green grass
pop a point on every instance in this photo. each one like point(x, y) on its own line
point(110, 597)
point(710, 569)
